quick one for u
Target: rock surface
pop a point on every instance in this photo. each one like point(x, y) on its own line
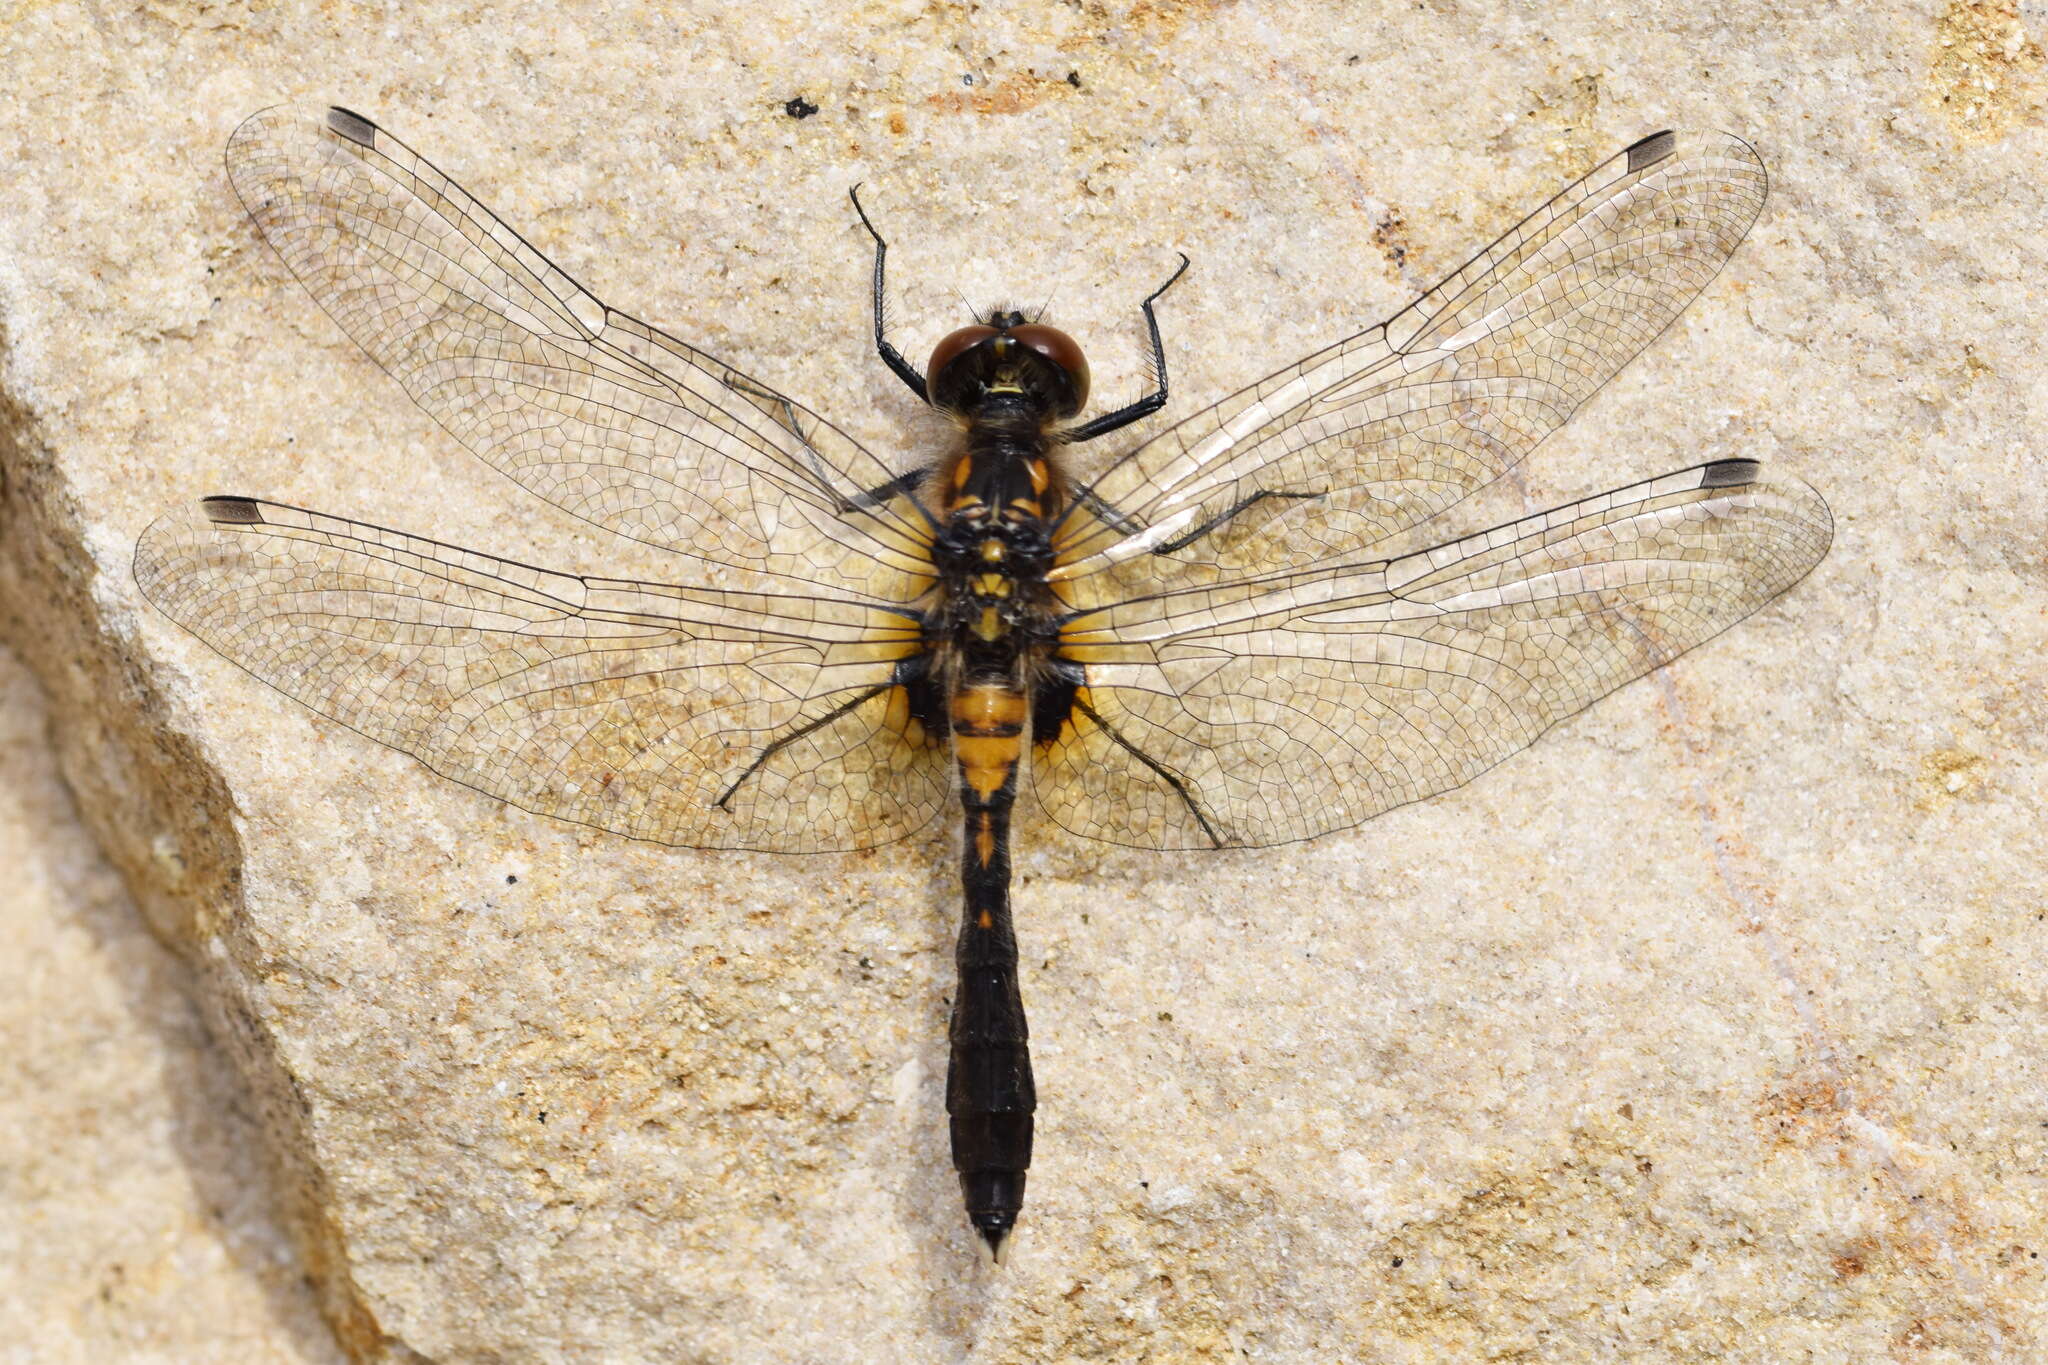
point(130, 1230)
point(1709, 1029)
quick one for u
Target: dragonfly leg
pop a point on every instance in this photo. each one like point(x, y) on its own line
point(1182, 542)
point(1112, 515)
point(788, 410)
point(781, 742)
point(891, 357)
point(1166, 774)
point(874, 497)
point(740, 385)
point(903, 484)
point(1151, 402)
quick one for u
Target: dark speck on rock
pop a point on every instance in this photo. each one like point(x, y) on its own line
point(799, 108)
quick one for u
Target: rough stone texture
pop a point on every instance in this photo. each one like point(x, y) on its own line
point(1710, 1029)
point(131, 1230)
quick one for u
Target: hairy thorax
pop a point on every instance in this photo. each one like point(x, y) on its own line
point(995, 620)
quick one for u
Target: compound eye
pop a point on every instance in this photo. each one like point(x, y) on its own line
point(1062, 350)
point(953, 345)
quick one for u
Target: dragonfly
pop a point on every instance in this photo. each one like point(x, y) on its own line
point(1235, 634)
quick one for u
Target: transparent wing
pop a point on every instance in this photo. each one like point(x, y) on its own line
point(682, 715)
point(1392, 426)
point(1289, 705)
point(594, 411)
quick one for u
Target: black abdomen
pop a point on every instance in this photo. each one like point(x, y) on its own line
point(989, 1090)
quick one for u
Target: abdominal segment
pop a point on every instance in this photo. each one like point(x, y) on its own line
point(990, 1094)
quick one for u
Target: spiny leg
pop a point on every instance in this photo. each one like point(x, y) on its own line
point(1126, 525)
point(874, 497)
point(1182, 542)
point(1166, 774)
point(1151, 402)
point(1111, 515)
point(891, 357)
point(903, 484)
point(788, 410)
point(782, 742)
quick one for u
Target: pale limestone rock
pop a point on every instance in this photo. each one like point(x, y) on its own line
point(129, 1231)
point(1709, 1029)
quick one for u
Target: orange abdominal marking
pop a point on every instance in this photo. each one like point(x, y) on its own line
point(988, 729)
point(986, 753)
point(988, 711)
point(987, 779)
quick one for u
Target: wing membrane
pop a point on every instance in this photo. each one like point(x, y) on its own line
point(1241, 689)
point(600, 414)
point(1392, 426)
point(634, 707)
point(1289, 705)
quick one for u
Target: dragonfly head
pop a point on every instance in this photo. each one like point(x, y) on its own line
point(1006, 354)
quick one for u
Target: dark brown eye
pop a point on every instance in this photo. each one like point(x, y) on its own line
point(950, 347)
point(1061, 349)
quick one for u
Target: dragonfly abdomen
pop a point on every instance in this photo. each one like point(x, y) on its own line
point(989, 1091)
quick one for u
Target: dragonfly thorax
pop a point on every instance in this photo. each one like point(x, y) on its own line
point(992, 568)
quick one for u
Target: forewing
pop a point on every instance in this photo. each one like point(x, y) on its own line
point(1288, 706)
point(598, 413)
point(1392, 426)
point(641, 708)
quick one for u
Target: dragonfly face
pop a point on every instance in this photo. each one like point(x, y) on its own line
point(1007, 355)
point(1208, 642)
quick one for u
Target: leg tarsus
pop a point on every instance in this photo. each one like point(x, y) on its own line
point(1111, 515)
point(783, 742)
point(903, 484)
point(819, 469)
point(874, 497)
point(1165, 774)
point(742, 385)
point(891, 357)
point(1182, 542)
point(1151, 402)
